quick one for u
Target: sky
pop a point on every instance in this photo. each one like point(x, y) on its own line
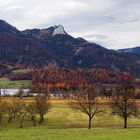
point(113, 24)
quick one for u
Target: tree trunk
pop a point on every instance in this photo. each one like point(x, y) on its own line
point(125, 122)
point(41, 120)
point(89, 124)
point(14, 116)
point(34, 121)
point(21, 122)
point(32, 118)
point(10, 119)
point(0, 118)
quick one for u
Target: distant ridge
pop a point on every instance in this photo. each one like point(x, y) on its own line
point(54, 46)
point(135, 50)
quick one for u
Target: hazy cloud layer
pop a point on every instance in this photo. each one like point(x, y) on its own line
point(111, 23)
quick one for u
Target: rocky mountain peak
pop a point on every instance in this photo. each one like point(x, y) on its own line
point(59, 30)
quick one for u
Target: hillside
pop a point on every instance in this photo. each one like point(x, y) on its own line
point(41, 47)
point(135, 50)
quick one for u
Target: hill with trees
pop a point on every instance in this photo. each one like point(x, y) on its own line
point(53, 46)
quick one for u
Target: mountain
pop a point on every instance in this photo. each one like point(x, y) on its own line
point(135, 50)
point(3, 69)
point(41, 47)
point(7, 28)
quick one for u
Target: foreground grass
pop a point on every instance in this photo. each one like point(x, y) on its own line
point(69, 134)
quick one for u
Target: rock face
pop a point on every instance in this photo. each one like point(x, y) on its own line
point(54, 46)
point(59, 30)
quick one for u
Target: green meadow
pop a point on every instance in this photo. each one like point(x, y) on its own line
point(63, 123)
point(18, 71)
point(41, 133)
point(6, 83)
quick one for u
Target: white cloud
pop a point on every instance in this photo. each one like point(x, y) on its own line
point(112, 23)
point(13, 7)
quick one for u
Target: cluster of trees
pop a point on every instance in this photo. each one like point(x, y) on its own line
point(66, 78)
point(6, 68)
point(17, 108)
point(86, 99)
point(122, 101)
point(21, 76)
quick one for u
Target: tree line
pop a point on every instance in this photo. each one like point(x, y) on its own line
point(19, 109)
point(122, 102)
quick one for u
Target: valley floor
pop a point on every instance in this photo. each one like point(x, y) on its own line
point(63, 123)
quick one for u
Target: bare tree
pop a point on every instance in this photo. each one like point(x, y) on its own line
point(22, 112)
point(16, 109)
point(87, 101)
point(31, 112)
point(42, 99)
point(42, 106)
point(10, 111)
point(123, 102)
point(13, 108)
point(16, 106)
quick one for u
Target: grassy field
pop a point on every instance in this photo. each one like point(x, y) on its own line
point(20, 71)
point(41, 133)
point(63, 123)
point(6, 83)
